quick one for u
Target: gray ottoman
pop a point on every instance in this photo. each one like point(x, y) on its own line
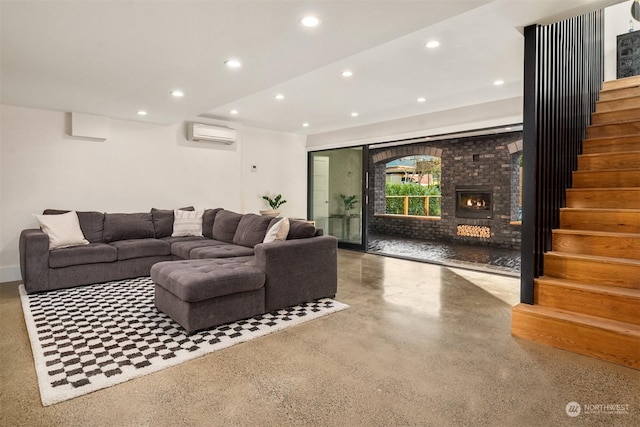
point(200, 294)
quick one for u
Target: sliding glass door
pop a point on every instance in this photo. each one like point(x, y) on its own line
point(336, 194)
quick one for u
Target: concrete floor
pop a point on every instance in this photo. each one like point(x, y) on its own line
point(421, 345)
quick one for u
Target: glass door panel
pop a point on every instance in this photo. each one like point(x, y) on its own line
point(336, 203)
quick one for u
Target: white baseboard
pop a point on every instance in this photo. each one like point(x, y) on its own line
point(10, 274)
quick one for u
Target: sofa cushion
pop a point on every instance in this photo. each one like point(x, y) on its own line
point(187, 223)
point(173, 240)
point(91, 223)
point(225, 225)
point(207, 222)
point(278, 231)
point(301, 230)
point(125, 226)
point(183, 249)
point(78, 255)
point(63, 230)
point(140, 248)
point(251, 230)
point(223, 250)
point(201, 280)
point(163, 221)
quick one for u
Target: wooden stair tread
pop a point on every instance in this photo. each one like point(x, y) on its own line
point(616, 123)
point(621, 83)
point(598, 258)
point(617, 153)
point(595, 233)
point(607, 170)
point(630, 113)
point(624, 98)
point(601, 210)
point(634, 189)
point(609, 290)
point(621, 328)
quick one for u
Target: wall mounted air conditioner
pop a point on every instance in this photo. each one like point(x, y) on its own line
point(210, 133)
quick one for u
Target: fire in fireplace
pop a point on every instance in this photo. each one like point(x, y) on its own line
point(473, 202)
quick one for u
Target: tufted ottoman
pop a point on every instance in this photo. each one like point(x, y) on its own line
point(200, 294)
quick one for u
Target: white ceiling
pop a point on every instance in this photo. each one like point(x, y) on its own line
point(113, 58)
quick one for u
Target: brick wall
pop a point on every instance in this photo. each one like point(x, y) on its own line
point(489, 161)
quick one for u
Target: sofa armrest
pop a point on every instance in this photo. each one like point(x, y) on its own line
point(34, 259)
point(299, 270)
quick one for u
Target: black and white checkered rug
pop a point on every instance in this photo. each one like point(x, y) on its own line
point(92, 337)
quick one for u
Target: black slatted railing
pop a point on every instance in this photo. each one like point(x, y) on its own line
point(563, 73)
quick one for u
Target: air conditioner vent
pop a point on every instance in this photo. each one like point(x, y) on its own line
point(209, 133)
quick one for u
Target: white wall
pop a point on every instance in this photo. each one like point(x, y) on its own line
point(281, 168)
point(616, 22)
point(138, 167)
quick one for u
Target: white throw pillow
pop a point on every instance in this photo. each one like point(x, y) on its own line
point(63, 230)
point(278, 231)
point(187, 223)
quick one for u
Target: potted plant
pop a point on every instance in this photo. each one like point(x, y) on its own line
point(275, 204)
point(349, 203)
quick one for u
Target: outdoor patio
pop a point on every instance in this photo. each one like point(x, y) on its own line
point(474, 257)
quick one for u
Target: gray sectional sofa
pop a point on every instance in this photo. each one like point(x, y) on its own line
point(299, 269)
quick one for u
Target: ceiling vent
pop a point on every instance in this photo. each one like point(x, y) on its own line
point(208, 133)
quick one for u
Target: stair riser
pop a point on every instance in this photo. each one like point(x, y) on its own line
point(593, 303)
point(621, 83)
point(611, 145)
point(608, 179)
point(597, 273)
point(619, 93)
point(578, 338)
point(606, 198)
point(615, 116)
point(624, 246)
point(609, 161)
point(617, 129)
point(616, 222)
point(617, 104)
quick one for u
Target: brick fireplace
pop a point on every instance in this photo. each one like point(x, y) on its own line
point(479, 185)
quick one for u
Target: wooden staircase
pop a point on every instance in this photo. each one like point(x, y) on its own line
point(588, 300)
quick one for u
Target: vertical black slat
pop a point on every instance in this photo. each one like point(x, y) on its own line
point(529, 159)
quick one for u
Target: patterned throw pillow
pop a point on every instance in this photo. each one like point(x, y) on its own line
point(187, 223)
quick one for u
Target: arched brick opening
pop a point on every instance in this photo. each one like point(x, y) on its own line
point(490, 160)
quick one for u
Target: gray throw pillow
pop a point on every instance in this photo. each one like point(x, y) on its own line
point(251, 230)
point(301, 230)
point(225, 225)
point(125, 226)
point(207, 222)
point(91, 223)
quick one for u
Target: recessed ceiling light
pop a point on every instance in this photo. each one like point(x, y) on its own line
point(305, 125)
point(432, 44)
point(354, 114)
point(347, 73)
point(422, 99)
point(279, 96)
point(233, 63)
point(234, 112)
point(142, 113)
point(498, 82)
point(310, 21)
point(507, 128)
point(177, 93)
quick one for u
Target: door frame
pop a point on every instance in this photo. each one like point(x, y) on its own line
point(364, 196)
